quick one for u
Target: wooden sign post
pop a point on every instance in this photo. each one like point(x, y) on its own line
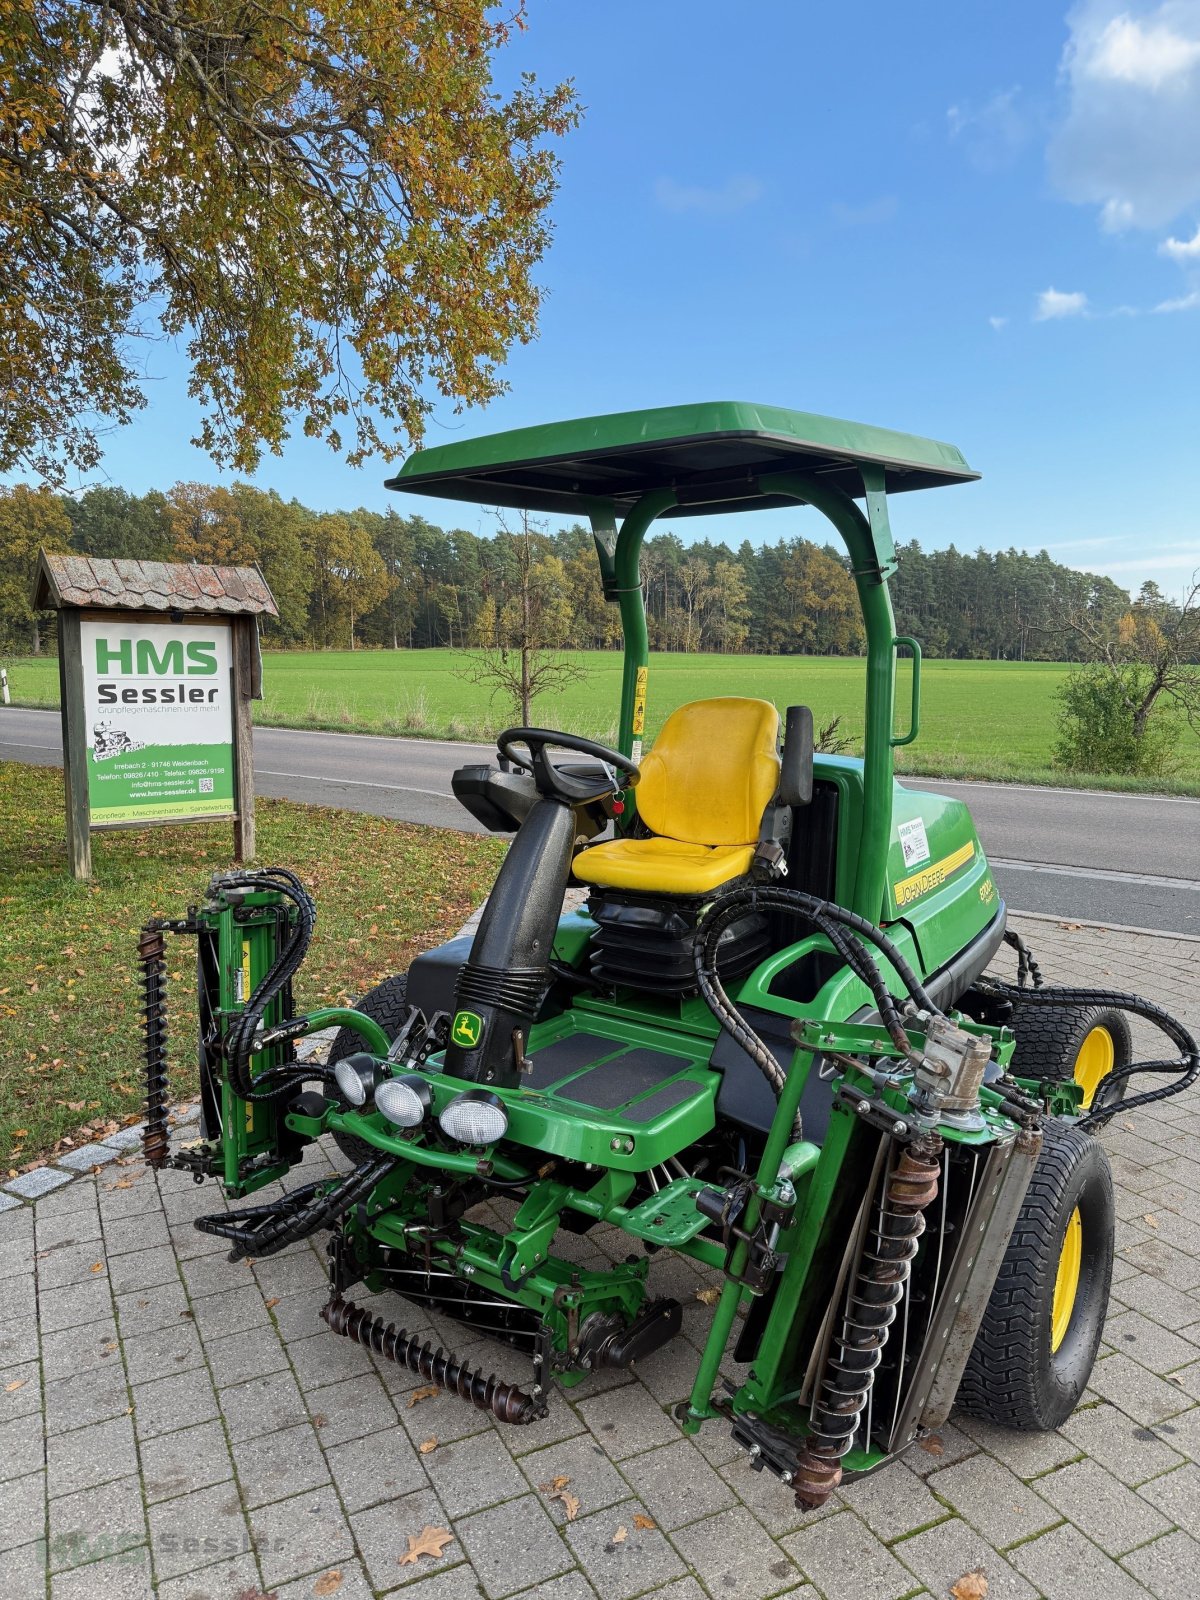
point(158, 663)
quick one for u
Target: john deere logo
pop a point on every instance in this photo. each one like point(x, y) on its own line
point(467, 1029)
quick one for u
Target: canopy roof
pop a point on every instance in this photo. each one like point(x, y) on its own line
point(711, 454)
point(95, 581)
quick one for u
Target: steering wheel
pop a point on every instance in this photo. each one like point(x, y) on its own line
point(574, 786)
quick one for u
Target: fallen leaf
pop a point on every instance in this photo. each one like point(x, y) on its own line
point(620, 1536)
point(640, 1521)
point(122, 1183)
point(427, 1445)
point(570, 1503)
point(430, 1392)
point(971, 1586)
point(273, 1301)
point(1150, 1221)
point(20, 1133)
point(329, 1582)
point(18, 1383)
point(710, 1296)
point(96, 1266)
point(555, 1486)
point(429, 1542)
point(932, 1444)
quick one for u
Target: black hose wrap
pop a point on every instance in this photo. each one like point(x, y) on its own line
point(264, 1230)
point(1187, 1065)
point(849, 934)
point(240, 1039)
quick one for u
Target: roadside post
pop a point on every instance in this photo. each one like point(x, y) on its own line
point(4, 685)
point(158, 663)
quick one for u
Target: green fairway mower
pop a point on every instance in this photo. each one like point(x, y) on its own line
point(767, 1041)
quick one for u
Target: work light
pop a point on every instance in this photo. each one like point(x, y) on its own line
point(477, 1117)
point(404, 1100)
point(356, 1077)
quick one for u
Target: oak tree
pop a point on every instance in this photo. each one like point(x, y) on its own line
point(328, 202)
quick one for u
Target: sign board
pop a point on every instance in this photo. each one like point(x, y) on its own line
point(159, 719)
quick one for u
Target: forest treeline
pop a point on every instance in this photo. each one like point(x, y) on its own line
point(348, 579)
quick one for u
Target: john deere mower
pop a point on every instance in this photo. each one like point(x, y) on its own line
point(767, 1040)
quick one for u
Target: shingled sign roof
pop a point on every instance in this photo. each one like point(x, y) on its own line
point(94, 581)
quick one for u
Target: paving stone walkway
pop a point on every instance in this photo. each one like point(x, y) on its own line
point(172, 1424)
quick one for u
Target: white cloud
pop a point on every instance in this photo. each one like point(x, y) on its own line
point(1148, 54)
point(1185, 302)
point(1129, 136)
point(1053, 304)
point(993, 133)
point(998, 322)
point(868, 215)
point(1182, 249)
point(735, 194)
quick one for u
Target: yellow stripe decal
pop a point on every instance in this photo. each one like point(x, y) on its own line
point(909, 889)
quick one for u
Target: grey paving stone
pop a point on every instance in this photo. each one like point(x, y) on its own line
point(893, 1500)
point(732, 1557)
point(1026, 1454)
point(514, 1546)
point(1130, 1451)
point(1155, 1347)
point(279, 1464)
point(24, 1502)
point(380, 1466)
point(96, 1522)
point(125, 1138)
point(1183, 1433)
point(846, 1561)
point(353, 1585)
point(9, 1202)
point(297, 1316)
point(993, 1499)
point(444, 1416)
point(42, 1180)
point(292, 1272)
point(1160, 1566)
point(21, 1446)
point(236, 1311)
point(593, 1479)
point(940, 1556)
point(628, 1420)
point(214, 1274)
point(473, 1474)
point(1063, 1565)
point(69, 1263)
point(90, 1456)
point(85, 1157)
point(772, 1502)
point(197, 1530)
point(145, 1269)
point(184, 1461)
point(382, 1535)
point(1101, 1507)
point(350, 1410)
point(58, 1230)
point(160, 1306)
point(122, 1576)
point(74, 1350)
point(940, 1449)
point(325, 1358)
point(20, 1390)
point(224, 1580)
point(307, 1533)
point(142, 1232)
point(175, 1402)
point(676, 1484)
point(262, 1405)
point(161, 1352)
point(18, 1341)
point(20, 1298)
point(1142, 1396)
point(239, 1356)
point(1177, 1495)
point(25, 1572)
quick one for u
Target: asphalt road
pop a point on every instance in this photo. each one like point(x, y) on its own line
point(1130, 860)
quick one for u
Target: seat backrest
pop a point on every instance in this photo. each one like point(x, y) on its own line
point(712, 772)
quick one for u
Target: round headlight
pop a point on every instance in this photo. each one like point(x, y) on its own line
point(476, 1117)
point(403, 1101)
point(355, 1077)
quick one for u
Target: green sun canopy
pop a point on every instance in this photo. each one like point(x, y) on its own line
point(711, 454)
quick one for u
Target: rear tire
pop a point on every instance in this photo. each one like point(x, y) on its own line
point(1036, 1347)
point(386, 1004)
point(1073, 1043)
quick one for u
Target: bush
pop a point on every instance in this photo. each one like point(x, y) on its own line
point(1096, 731)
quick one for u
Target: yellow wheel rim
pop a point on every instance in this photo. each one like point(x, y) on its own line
point(1066, 1280)
point(1094, 1062)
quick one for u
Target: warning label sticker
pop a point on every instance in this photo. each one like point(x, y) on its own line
point(913, 842)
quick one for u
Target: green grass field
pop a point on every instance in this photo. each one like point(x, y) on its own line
point(983, 719)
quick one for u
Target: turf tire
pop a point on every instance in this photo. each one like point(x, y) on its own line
point(1013, 1377)
point(386, 1004)
point(1049, 1040)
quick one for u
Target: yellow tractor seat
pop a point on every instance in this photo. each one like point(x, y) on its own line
point(712, 773)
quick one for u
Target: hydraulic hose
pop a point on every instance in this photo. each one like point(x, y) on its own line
point(264, 1230)
point(1187, 1064)
point(849, 934)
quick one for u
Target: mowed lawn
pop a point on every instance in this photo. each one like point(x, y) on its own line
point(978, 718)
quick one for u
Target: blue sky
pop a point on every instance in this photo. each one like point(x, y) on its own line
point(977, 222)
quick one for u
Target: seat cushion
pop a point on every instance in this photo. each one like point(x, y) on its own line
point(662, 866)
point(712, 771)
